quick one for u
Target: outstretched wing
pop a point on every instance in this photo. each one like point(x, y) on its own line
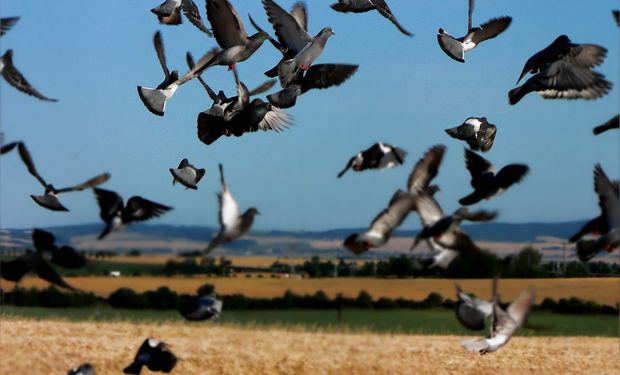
point(140, 209)
point(390, 218)
point(226, 24)
point(426, 168)
point(288, 31)
point(97, 180)
point(17, 80)
point(161, 54)
point(6, 23)
point(322, 76)
point(490, 29)
point(193, 15)
point(109, 203)
point(25, 155)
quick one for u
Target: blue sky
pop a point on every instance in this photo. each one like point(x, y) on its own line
point(92, 55)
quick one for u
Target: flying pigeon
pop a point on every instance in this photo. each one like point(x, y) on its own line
point(382, 226)
point(6, 23)
point(116, 215)
point(504, 323)
point(49, 199)
point(169, 13)
point(445, 230)
point(607, 225)
point(155, 355)
point(361, 6)
point(200, 307)
point(378, 156)
point(563, 70)
point(614, 123)
point(14, 78)
point(155, 99)
point(84, 369)
point(38, 261)
point(232, 224)
point(455, 48)
point(473, 312)
point(230, 35)
point(238, 115)
point(400, 205)
point(485, 181)
point(187, 175)
point(476, 131)
point(320, 76)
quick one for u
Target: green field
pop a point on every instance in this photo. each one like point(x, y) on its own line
point(376, 321)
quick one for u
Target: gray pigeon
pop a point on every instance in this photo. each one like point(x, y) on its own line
point(232, 224)
point(230, 35)
point(6, 23)
point(155, 99)
point(378, 156)
point(472, 312)
point(485, 181)
point(84, 369)
point(169, 13)
point(361, 6)
point(476, 131)
point(608, 224)
point(187, 175)
point(455, 48)
point(614, 123)
point(504, 323)
point(14, 78)
point(563, 70)
point(155, 355)
point(49, 199)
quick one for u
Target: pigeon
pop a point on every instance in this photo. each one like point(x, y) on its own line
point(155, 99)
point(187, 175)
point(504, 323)
point(320, 76)
point(155, 355)
point(232, 224)
point(476, 131)
point(563, 70)
point(361, 6)
point(14, 78)
point(445, 230)
point(485, 181)
point(84, 369)
point(614, 123)
point(238, 115)
point(169, 13)
point(49, 199)
point(116, 215)
point(607, 225)
point(199, 308)
point(38, 261)
point(455, 48)
point(473, 312)
point(400, 205)
point(382, 226)
point(378, 156)
point(6, 23)
point(230, 35)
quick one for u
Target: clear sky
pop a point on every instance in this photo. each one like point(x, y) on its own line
point(91, 55)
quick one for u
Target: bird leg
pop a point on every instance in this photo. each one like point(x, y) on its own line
point(304, 66)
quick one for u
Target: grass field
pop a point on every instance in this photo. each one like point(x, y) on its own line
point(601, 290)
point(405, 321)
point(52, 347)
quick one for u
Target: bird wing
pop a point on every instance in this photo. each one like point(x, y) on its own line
point(109, 203)
point(346, 168)
point(97, 180)
point(42, 240)
point(322, 76)
point(27, 159)
point(490, 29)
point(476, 164)
point(428, 208)
point(480, 215)
point(386, 12)
point(470, 14)
point(586, 55)
point(276, 119)
point(520, 308)
point(8, 147)
point(15, 269)
point(511, 174)
point(47, 273)
point(68, 257)
point(17, 80)
point(562, 79)
point(140, 209)
point(161, 54)
point(198, 68)
point(607, 196)
point(289, 32)
point(227, 27)
point(390, 218)
point(425, 169)
point(229, 208)
point(6, 23)
point(190, 10)
point(191, 64)
point(263, 87)
point(614, 123)
point(300, 14)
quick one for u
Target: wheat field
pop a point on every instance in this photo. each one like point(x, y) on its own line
point(52, 347)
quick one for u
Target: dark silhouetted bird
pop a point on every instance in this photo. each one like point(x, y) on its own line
point(116, 215)
point(187, 175)
point(14, 78)
point(155, 355)
point(84, 369)
point(361, 6)
point(563, 70)
point(200, 307)
point(456, 47)
point(378, 156)
point(476, 131)
point(49, 199)
point(485, 181)
point(614, 123)
point(233, 224)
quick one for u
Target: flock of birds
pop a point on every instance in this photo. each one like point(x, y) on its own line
point(562, 70)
